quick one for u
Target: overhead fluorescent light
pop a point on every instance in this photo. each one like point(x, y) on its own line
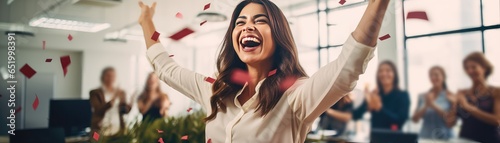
point(72, 25)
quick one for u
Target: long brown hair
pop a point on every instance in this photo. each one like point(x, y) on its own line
point(285, 61)
point(147, 86)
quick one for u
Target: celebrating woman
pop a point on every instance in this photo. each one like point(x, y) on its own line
point(153, 103)
point(263, 108)
point(434, 106)
point(479, 106)
point(388, 104)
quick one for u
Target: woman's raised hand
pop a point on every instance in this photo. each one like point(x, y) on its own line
point(147, 12)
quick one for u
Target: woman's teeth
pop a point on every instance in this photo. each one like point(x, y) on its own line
point(250, 39)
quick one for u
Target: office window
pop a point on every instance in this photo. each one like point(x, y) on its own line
point(492, 52)
point(342, 22)
point(307, 31)
point(443, 15)
point(447, 51)
point(491, 12)
point(335, 3)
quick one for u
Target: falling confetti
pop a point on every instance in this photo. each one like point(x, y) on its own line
point(207, 6)
point(189, 109)
point(35, 103)
point(394, 127)
point(185, 137)
point(17, 110)
point(159, 131)
point(43, 45)
point(342, 2)
point(70, 37)
point(240, 76)
point(272, 72)
point(287, 83)
point(209, 141)
point(48, 60)
point(160, 140)
point(27, 71)
point(417, 15)
point(170, 55)
point(181, 34)
point(386, 36)
point(209, 79)
point(179, 15)
point(65, 61)
point(203, 22)
point(96, 136)
point(155, 36)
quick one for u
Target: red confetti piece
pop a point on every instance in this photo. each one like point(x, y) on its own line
point(160, 140)
point(185, 137)
point(43, 45)
point(70, 37)
point(155, 36)
point(35, 103)
point(96, 136)
point(394, 127)
point(272, 72)
point(207, 6)
point(209, 79)
point(287, 83)
point(27, 71)
point(159, 131)
point(17, 110)
point(203, 23)
point(417, 15)
point(179, 15)
point(386, 36)
point(65, 61)
point(240, 76)
point(209, 141)
point(189, 109)
point(181, 34)
point(342, 2)
point(48, 60)
point(170, 55)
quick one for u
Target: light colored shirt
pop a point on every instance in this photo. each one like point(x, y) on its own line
point(434, 125)
point(111, 120)
point(290, 120)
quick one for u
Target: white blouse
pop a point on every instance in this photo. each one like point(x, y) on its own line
point(290, 120)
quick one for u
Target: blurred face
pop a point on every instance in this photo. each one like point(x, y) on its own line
point(153, 81)
point(385, 74)
point(109, 78)
point(252, 39)
point(474, 70)
point(437, 77)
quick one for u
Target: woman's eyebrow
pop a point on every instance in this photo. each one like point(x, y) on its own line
point(254, 17)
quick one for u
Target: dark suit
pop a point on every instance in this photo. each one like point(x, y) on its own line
point(100, 107)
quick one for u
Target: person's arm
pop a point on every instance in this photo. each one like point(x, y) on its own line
point(360, 111)
point(445, 114)
point(189, 83)
point(368, 27)
point(336, 79)
point(100, 107)
point(343, 115)
point(420, 111)
point(489, 118)
point(399, 115)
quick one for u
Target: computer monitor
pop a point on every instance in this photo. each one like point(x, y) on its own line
point(71, 115)
point(388, 136)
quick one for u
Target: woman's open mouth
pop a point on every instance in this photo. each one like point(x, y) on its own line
point(250, 43)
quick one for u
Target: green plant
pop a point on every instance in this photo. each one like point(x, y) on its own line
point(173, 129)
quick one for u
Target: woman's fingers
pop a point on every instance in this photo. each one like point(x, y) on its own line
point(153, 6)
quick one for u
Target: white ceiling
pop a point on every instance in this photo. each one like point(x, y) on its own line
point(120, 15)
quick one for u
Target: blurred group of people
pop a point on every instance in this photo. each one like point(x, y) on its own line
point(109, 103)
point(478, 106)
